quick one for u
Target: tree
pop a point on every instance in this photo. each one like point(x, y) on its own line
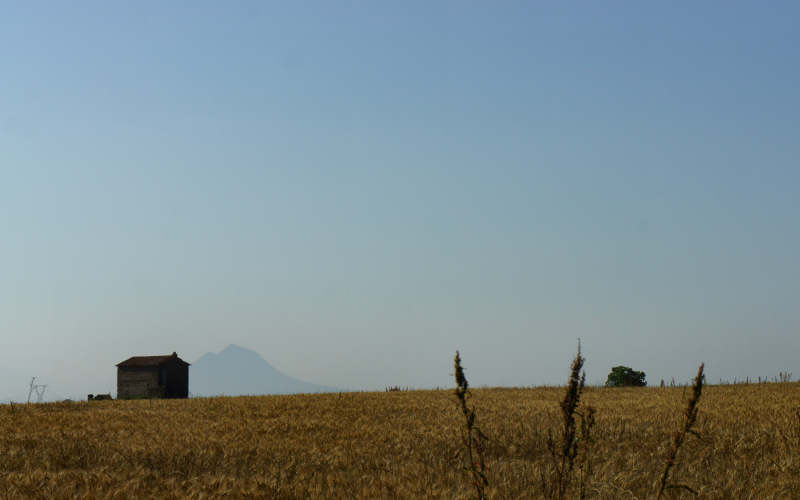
point(624, 376)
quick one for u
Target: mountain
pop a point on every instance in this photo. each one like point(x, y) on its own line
point(237, 371)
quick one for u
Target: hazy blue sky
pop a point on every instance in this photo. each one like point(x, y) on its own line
point(357, 189)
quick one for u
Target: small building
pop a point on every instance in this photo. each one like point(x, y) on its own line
point(153, 377)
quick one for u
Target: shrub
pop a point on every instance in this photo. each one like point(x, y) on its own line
point(624, 376)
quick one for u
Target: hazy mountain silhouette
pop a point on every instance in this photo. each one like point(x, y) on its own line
point(237, 371)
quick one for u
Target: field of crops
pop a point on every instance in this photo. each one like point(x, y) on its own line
point(397, 445)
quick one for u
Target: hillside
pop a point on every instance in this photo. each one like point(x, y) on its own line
point(237, 371)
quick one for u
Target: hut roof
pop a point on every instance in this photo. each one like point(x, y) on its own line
point(151, 360)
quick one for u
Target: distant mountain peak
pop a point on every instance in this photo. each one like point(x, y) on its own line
point(237, 370)
point(234, 347)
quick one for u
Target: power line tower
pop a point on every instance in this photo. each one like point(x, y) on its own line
point(38, 389)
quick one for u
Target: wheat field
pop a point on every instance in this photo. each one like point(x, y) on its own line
point(397, 445)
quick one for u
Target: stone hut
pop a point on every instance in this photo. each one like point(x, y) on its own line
point(153, 377)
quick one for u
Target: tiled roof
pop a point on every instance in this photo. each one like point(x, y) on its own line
point(150, 360)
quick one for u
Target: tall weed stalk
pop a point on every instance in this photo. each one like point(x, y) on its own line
point(473, 440)
point(690, 417)
point(566, 450)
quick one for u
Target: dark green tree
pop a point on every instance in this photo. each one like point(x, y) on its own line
point(625, 376)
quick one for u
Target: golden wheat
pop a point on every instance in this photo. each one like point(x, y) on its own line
point(395, 445)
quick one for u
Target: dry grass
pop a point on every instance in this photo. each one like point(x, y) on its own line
point(397, 445)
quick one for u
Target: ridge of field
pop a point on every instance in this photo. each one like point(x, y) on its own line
point(395, 444)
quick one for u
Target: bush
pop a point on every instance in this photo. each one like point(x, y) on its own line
point(624, 376)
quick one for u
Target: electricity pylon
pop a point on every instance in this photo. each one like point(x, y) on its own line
point(38, 389)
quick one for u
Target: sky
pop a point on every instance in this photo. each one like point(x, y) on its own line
point(356, 190)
